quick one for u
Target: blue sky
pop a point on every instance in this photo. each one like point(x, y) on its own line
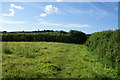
point(88, 17)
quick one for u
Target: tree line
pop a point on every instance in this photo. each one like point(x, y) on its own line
point(73, 36)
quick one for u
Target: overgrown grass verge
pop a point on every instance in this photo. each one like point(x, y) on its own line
point(52, 60)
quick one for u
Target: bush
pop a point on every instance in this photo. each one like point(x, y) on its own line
point(106, 45)
point(57, 36)
point(77, 36)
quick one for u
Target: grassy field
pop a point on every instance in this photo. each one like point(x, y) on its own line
point(51, 60)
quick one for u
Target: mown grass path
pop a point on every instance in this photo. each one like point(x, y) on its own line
point(51, 60)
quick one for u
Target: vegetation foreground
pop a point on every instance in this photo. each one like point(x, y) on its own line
point(51, 60)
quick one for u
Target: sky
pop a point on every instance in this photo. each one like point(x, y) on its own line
point(88, 17)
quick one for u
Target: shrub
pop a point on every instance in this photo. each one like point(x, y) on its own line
point(77, 36)
point(106, 44)
point(59, 36)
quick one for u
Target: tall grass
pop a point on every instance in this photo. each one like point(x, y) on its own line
point(51, 60)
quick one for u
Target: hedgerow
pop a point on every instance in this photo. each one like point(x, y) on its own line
point(73, 36)
point(106, 45)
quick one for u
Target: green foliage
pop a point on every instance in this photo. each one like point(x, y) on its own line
point(100, 59)
point(77, 36)
point(64, 32)
point(58, 36)
point(106, 45)
point(51, 60)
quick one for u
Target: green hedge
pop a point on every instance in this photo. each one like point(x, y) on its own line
point(73, 36)
point(106, 45)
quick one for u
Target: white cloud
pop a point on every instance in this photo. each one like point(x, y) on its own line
point(95, 10)
point(16, 6)
point(98, 11)
point(42, 22)
point(5, 21)
point(43, 14)
point(59, 0)
point(12, 12)
point(13, 22)
point(49, 9)
point(77, 25)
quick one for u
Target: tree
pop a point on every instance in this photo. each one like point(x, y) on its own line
point(77, 36)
